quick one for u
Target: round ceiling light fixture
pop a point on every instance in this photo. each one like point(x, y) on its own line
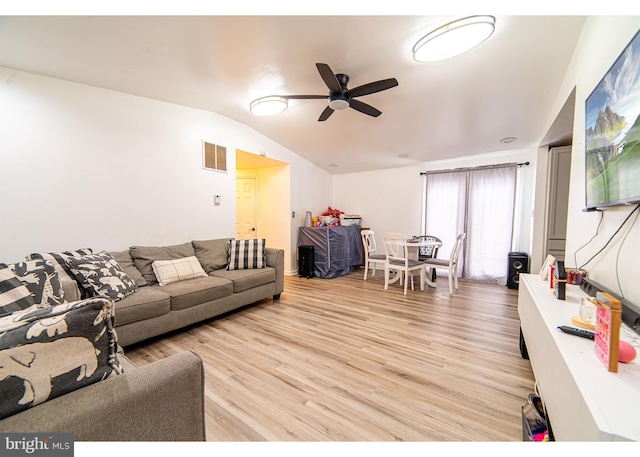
point(509, 139)
point(338, 102)
point(454, 38)
point(268, 106)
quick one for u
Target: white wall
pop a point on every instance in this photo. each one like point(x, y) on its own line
point(602, 41)
point(87, 167)
point(391, 200)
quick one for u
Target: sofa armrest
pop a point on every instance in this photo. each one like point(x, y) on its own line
point(275, 260)
point(161, 401)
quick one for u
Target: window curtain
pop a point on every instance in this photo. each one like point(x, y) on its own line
point(490, 211)
point(446, 195)
point(479, 202)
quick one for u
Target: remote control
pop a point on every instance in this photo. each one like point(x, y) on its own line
point(578, 332)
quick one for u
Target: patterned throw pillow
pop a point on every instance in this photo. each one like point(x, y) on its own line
point(246, 254)
point(101, 276)
point(48, 352)
point(168, 271)
point(14, 296)
point(42, 280)
point(58, 259)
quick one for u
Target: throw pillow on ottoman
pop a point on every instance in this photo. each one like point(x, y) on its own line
point(48, 352)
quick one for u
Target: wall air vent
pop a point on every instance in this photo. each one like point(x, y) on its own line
point(214, 157)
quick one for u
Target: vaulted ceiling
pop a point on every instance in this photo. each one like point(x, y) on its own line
point(505, 87)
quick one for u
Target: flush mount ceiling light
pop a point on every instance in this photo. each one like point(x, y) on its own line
point(268, 106)
point(338, 102)
point(454, 38)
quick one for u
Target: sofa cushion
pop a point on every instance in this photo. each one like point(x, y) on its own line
point(144, 256)
point(48, 352)
point(42, 280)
point(101, 276)
point(212, 254)
point(14, 296)
point(247, 279)
point(125, 261)
point(246, 254)
point(185, 294)
point(147, 302)
point(168, 271)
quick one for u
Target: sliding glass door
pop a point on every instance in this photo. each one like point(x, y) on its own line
point(479, 202)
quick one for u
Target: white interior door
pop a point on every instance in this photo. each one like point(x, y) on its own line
point(558, 204)
point(246, 208)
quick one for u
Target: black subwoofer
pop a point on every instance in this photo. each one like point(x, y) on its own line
point(518, 262)
point(305, 261)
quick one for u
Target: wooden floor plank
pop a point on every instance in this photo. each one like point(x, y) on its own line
point(344, 360)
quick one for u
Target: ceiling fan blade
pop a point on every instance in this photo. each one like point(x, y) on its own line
point(303, 97)
point(328, 111)
point(364, 108)
point(373, 87)
point(329, 78)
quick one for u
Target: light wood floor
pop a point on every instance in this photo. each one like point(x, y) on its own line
point(344, 360)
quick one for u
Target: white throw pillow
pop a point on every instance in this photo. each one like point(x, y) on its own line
point(168, 271)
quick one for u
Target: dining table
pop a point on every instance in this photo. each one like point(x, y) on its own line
point(414, 245)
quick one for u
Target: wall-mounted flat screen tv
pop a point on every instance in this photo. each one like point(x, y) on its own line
point(612, 137)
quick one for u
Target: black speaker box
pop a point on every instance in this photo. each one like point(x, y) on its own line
point(518, 262)
point(305, 261)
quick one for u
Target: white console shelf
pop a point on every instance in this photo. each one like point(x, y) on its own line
point(584, 401)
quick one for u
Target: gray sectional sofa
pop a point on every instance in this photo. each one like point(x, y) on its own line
point(146, 291)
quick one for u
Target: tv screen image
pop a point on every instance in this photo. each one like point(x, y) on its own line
point(612, 134)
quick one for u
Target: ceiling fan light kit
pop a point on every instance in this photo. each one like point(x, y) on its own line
point(338, 104)
point(268, 106)
point(454, 38)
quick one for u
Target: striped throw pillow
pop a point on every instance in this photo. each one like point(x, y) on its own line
point(246, 254)
point(14, 295)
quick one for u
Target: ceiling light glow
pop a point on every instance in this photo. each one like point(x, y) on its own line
point(268, 106)
point(454, 38)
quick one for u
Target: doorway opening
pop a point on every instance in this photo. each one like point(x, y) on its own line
point(555, 165)
point(263, 201)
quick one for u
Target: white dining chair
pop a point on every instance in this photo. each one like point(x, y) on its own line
point(372, 258)
point(450, 264)
point(429, 252)
point(398, 260)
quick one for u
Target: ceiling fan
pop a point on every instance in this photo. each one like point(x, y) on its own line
point(340, 97)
